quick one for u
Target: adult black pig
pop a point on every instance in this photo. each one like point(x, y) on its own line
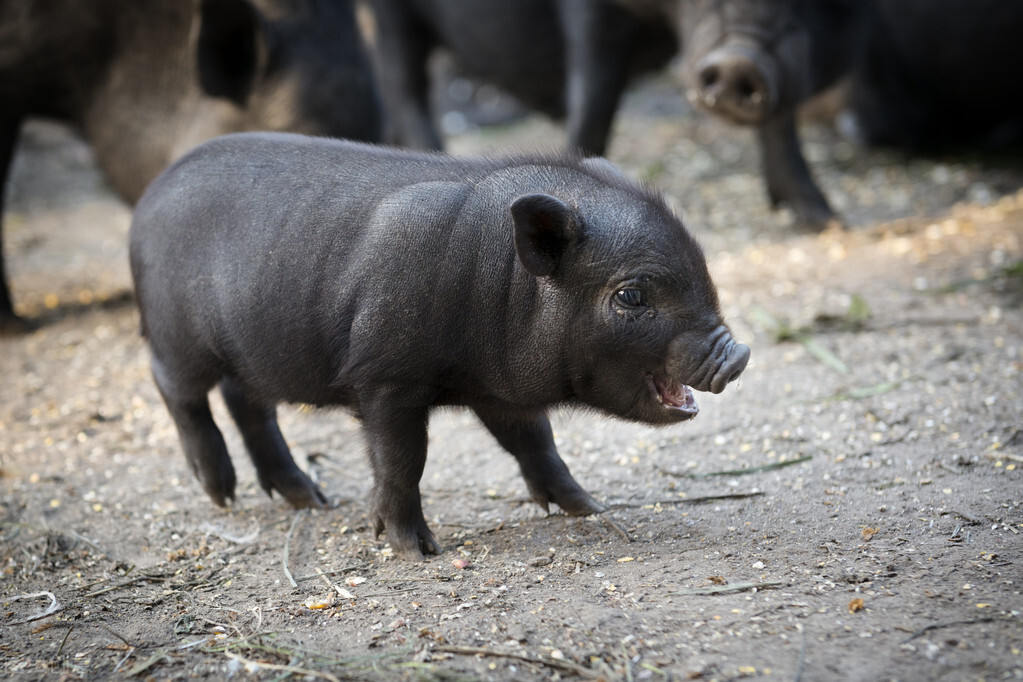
point(924, 75)
point(291, 268)
point(940, 75)
point(146, 80)
point(752, 62)
point(565, 58)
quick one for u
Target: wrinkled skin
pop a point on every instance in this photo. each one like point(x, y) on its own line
point(294, 269)
point(146, 80)
point(752, 62)
point(564, 58)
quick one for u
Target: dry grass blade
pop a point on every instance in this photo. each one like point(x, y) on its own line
point(53, 607)
point(147, 664)
point(320, 573)
point(725, 589)
point(821, 353)
point(67, 635)
point(742, 472)
point(782, 331)
point(287, 546)
point(259, 665)
point(126, 583)
point(937, 626)
point(615, 527)
point(689, 500)
point(557, 663)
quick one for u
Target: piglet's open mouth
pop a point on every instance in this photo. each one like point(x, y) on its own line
point(673, 395)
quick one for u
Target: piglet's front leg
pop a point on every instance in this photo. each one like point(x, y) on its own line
point(528, 436)
point(396, 433)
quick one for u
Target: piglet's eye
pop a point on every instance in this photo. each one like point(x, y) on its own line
point(630, 297)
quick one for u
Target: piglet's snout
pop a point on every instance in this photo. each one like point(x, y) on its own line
point(735, 361)
point(714, 369)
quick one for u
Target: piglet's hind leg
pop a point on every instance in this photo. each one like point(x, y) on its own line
point(274, 464)
point(200, 438)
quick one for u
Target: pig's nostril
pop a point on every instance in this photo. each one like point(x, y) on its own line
point(746, 89)
point(709, 77)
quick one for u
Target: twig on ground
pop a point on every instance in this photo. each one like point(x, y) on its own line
point(82, 538)
point(998, 454)
point(969, 520)
point(222, 626)
point(322, 573)
point(614, 526)
point(287, 546)
point(688, 500)
point(725, 589)
point(557, 663)
point(117, 635)
point(126, 583)
point(64, 641)
point(124, 660)
point(209, 529)
point(937, 626)
point(254, 665)
point(48, 611)
point(147, 664)
point(390, 592)
point(741, 472)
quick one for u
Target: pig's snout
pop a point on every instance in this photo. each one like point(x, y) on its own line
point(737, 83)
point(736, 358)
point(722, 364)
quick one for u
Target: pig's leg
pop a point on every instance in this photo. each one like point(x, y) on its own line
point(529, 438)
point(396, 433)
point(788, 177)
point(404, 44)
point(9, 322)
point(599, 39)
point(201, 440)
point(269, 453)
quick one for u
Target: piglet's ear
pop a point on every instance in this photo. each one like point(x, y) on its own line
point(544, 227)
point(231, 49)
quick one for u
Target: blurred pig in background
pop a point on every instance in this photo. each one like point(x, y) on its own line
point(146, 80)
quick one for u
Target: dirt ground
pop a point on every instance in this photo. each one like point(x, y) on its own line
point(851, 510)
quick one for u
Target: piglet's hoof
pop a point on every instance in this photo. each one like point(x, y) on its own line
point(294, 486)
point(574, 503)
point(581, 506)
point(410, 537)
point(564, 492)
point(217, 478)
point(411, 542)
